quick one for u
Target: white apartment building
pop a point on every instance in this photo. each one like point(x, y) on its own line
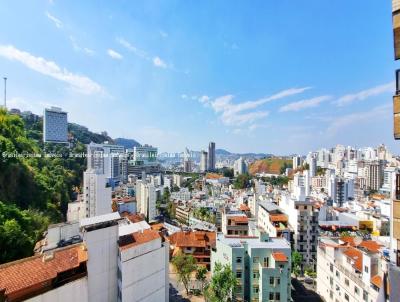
point(143, 260)
point(96, 193)
point(146, 199)
point(273, 221)
point(55, 125)
point(182, 194)
point(105, 159)
point(297, 162)
point(303, 219)
point(203, 161)
point(239, 167)
point(118, 261)
point(145, 155)
point(347, 271)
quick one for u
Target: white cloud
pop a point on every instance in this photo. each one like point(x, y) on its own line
point(113, 54)
point(364, 94)
point(232, 114)
point(56, 21)
point(134, 49)
point(163, 34)
point(81, 83)
point(159, 63)
point(88, 51)
point(358, 117)
point(77, 48)
point(184, 96)
point(204, 99)
point(308, 103)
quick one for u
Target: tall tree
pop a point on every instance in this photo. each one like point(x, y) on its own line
point(201, 274)
point(297, 258)
point(222, 285)
point(184, 266)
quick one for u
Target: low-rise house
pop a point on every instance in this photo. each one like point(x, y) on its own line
point(196, 243)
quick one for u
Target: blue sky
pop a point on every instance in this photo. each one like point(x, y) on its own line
point(278, 77)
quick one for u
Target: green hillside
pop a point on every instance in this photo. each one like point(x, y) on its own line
point(35, 189)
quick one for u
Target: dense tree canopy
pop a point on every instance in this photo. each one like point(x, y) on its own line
point(36, 183)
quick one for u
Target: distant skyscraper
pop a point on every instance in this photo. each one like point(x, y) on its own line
point(203, 161)
point(239, 167)
point(187, 161)
point(297, 162)
point(211, 156)
point(55, 125)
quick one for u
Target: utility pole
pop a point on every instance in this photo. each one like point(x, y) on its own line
point(5, 93)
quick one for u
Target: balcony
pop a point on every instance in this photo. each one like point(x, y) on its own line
point(396, 116)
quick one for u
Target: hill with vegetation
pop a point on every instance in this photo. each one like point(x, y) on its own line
point(37, 180)
point(272, 165)
point(126, 142)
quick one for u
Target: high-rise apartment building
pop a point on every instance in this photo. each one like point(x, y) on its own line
point(297, 162)
point(117, 261)
point(106, 159)
point(239, 167)
point(203, 161)
point(348, 270)
point(303, 218)
point(211, 156)
point(96, 193)
point(55, 125)
point(394, 268)
point(146, 199)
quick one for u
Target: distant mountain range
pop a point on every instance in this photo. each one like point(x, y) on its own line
point(223, 152)
point(126, 142)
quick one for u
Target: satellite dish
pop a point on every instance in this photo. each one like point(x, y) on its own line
point(357, 240)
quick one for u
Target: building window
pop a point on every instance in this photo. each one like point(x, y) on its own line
point(256, 259)
point(346, 281)
point(238, 259)
point(366, 269)
point(255, 289)
point(346, 297)
point(365, 296)
point(271, 296)
point(356, 290)
point(278, 281)
point(256, 275)
point(271, 280)
point(278, 296)
point(337, 274)
point(238, 274)
point(331, 267)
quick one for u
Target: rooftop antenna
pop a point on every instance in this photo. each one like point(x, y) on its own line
point(5, 93)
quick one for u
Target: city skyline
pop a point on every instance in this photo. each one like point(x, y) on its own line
point(255, 85)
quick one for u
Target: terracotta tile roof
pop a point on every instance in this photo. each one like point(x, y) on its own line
point(193, 239)
point(34, 273)
point(278, 218)
point(133, 217)
point(279, 256)
point(137, 238)
point(244, 207)
point(355, 255)
point(376, 280)
point(239, 219)
point(124, 199)
point(369, 245)
point(157, 226)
